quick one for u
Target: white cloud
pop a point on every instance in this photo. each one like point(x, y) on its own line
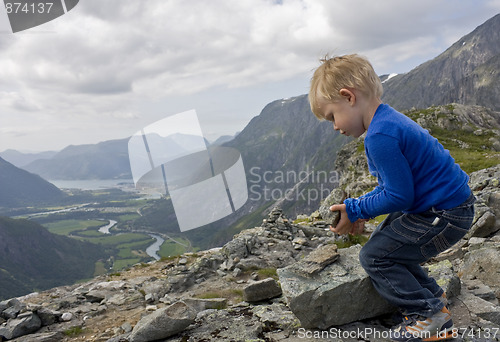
point(16, 101)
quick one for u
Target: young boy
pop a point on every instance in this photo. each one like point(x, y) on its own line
point(425, 193)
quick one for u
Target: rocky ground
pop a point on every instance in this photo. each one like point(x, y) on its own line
point(235, 294)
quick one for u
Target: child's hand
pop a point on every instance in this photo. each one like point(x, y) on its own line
point(345, 226)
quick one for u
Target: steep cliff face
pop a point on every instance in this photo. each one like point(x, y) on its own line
point(481, 86)
point(467, 73)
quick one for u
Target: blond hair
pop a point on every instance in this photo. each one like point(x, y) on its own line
point(350, 72)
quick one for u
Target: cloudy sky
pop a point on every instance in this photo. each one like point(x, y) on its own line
point(108, 68)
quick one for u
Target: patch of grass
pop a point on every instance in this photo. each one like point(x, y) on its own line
point(73, 331)
point(90, 233)
point(234, 295)
point(302, 220)
point(210, 295)
point(361, 147)
point(128, 217)
point(120, 264)
point(171, 248)
point(471, 161)
point(237, 292)
point(414, 114)
point(267, 273)
point(121, 239)
point(472, 152)
point(66, 227)
point(378, 220)
point(476, 142)
point(352, 240)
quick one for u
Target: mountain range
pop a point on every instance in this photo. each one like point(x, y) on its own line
point(105, 160)
point(21, 159)
point(468, 72)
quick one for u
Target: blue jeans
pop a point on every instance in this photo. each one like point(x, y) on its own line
point(398, 246)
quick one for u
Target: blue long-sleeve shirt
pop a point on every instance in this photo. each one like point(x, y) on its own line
point(414, 171)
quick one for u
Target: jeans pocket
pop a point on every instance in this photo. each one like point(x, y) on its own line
point(449, 236)
point(410, 227)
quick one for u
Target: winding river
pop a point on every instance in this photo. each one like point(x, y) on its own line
point(105, 229)
point(152, 250)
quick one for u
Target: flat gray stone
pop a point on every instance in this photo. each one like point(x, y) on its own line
point(339, 294)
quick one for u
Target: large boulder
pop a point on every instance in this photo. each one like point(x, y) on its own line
point(483, 264)
point(261, 290)
point(480, 307)
point(24, 324)
point(486, 187)
point(163, 323)
point(339, 293)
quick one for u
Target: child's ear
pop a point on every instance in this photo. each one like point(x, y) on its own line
point(348, 95)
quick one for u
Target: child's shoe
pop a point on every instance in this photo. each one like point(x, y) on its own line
point(415, 328)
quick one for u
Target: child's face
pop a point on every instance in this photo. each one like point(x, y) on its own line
point(345, 116)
